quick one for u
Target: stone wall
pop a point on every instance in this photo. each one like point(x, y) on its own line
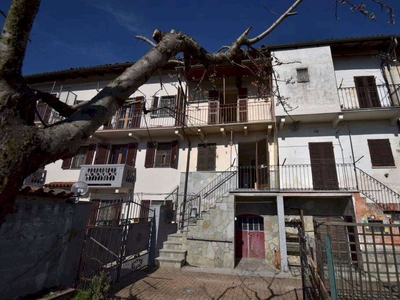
point(210, 242)
point(40, 244)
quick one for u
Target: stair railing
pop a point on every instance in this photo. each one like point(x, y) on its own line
point(378, 192)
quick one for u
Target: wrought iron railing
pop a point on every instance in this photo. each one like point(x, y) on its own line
point(115, 176)
point(199, 114)
point(372, 97)
point(358, 261)
point(378, 192)
point(207, 197)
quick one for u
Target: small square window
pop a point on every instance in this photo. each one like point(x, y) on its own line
point(302, 75)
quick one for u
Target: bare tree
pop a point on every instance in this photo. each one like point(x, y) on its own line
point(24, 147)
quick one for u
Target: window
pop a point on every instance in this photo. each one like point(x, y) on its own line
point(302, 75)
point(80, 158)
point(367, 92)
point(381, 153)
point(206, 157)
point(164, 106)
point(84, 156)
point(162, 155)
point(118, 154)
point(43, 112)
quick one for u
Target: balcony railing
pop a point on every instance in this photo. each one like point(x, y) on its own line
point(369, 97)
point(37, 178)
point(199, 114)
point(108, 176)
point(299, 177)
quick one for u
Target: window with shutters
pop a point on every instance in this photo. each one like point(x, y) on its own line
point(206, 157)
point(80, 158)
point(367, 92)
point(381, 153)
point(118, 154)
point(163, 106)
point(162, 155)
point(43, 112)
point(302, 75)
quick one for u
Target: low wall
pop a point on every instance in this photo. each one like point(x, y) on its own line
point(40, 245)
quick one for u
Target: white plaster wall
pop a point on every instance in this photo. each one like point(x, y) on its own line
point(346, 68)
point(319, 95)
point(293, 146)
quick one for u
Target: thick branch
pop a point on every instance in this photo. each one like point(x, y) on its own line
point(15, 36)
point(62, 108)
point(288, 13)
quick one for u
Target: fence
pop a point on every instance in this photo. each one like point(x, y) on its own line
point(119, 239)
point(353, 261)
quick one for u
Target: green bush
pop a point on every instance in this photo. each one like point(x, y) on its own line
point(99, 289)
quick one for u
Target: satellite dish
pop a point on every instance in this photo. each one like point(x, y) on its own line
point(79, 188)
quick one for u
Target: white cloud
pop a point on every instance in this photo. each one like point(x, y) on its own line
point(125, 17)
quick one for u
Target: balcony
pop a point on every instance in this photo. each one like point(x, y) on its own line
point(299, 177)
point(376, 96)
point(197, 114)
point(37, 178)
point(108, 176)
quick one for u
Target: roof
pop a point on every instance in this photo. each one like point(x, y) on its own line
point(118, 68)
point(40, 192)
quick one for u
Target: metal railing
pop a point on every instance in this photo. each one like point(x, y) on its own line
point(206, 197)
point(196, 115)
point(359, 261)
point(37, 178)
point(114, 176)
point(375, 96)
point(378, 192)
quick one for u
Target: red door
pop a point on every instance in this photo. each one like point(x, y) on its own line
point(249, 241)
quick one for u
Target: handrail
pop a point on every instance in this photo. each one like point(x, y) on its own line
point(387, 197)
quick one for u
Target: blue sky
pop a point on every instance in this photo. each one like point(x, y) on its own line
point(77, 33)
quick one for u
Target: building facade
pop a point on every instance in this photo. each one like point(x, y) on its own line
point(243, 164)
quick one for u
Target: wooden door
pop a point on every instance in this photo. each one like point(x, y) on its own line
point(323, 167)
point(262, 168)
point(213, 115)
point(249, 237)
point(135, 113)
point(367, 92)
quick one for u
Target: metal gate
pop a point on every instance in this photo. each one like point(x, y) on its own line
point(119, 239)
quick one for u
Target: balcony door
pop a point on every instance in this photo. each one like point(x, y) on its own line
point(367, 92)
point(323, 167)
point(262, 170)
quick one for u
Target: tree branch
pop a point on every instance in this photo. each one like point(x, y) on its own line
point(288, 13)
point(15, 36)
point(145, 39)
point(62, 108)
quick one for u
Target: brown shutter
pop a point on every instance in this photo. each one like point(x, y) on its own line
point(155, 103)
point(180, 118)
point(90, 154)
point(101, 155)
point(94, 211)
point(66, 164)
point(201, 157)
point(213, 112)
point(174, 154)
point(137, 112)
point(144, 210)
point(323, 167)
point(211, 156)
point(381, 153)
point(367, 92)
point(131, 156)
point(150, 151)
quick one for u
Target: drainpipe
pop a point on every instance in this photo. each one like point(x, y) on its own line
point(186, 185)
point(352, 154)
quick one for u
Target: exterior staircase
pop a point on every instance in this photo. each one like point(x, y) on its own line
point(172, 255)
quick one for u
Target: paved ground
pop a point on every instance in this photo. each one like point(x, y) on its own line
point(186, 283)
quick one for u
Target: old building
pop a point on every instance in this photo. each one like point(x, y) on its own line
point(245, 154)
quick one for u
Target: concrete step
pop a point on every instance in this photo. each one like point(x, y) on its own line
point(172, 245)
point(174, 253)
point(170, 262)
point(175, 237)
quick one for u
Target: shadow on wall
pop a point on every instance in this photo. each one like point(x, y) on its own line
point(41, 244)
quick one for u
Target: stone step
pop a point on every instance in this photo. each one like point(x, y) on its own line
point(170, 262)
point(175, 237)
point(172, 245)
point(174, 253)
